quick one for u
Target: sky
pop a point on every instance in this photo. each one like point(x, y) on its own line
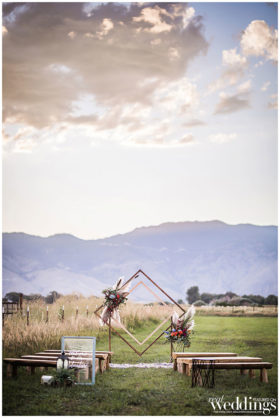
point(122, 115)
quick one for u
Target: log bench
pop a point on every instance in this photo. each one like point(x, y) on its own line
point(177, 355)
point(103, 359)
point(81, 353)
point(31, 364)
point(184, 365)
point(205, 365)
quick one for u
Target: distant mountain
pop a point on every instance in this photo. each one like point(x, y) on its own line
point(212, 255)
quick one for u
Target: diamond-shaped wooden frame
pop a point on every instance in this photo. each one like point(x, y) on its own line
point(116, 332)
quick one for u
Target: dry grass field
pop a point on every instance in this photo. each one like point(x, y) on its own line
point(20, 338)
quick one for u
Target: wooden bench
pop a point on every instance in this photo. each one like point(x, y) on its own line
point(184, 365)
point(104, 358)
point(262, 366)
point(58, 352)
point(177, 355)
point(31, 364)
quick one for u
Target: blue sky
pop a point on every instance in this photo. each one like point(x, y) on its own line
point(120, 116)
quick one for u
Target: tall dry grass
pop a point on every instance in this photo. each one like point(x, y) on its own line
point(20, 338)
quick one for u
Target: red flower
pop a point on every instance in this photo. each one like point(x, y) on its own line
point(118, 296)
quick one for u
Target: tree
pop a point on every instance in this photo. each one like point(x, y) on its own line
point(271, 300)
point(207, 297)
point(193, 294)
point(231, 295)
point(12, 296)
point(52, 296)
point(180, 301)
point(255, 298)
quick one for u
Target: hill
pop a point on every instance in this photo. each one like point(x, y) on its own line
point(213, 255)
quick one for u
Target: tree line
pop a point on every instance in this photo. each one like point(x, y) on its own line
point(50, 298)
point(193, 296)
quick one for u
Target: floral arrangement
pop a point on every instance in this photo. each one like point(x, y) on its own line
point(181, 329)
point(114, 297)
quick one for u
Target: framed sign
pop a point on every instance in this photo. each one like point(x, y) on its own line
point(81, 353)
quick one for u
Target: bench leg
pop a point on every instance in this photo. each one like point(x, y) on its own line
point(180, 367)
point(243, 372)
point(199, 378)
point(175, 365)
point(11, 370)
point(30, 369)
point(188, 369)
point(100, 364)
point(252, 374)
point(263, 376)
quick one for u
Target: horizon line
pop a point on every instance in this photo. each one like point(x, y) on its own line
point(137, 228)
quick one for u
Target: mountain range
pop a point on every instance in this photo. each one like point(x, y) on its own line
point(213, 255)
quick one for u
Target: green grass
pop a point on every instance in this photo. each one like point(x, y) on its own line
point(155, 391)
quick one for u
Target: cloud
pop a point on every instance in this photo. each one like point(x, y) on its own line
point(57, 52)
point(222, 138)
point(72, 35)
point(234, 68)
point(232, 103)
point(259, 39)
point(153, 16)
point(164, 143)
point(273, 104)
point(194, 122)
point(244, 87)
point(265, 86)
point(106, 26)
point(180, 96)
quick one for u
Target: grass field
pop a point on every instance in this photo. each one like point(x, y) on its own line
point(147, 391)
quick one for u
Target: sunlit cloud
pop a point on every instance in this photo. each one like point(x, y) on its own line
point(259, 39)
point(234, 69)
point(97, 52)
point(222, 138)
point(232, 103)
point(265, 86)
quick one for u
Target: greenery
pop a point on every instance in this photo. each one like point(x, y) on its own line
point(228, 298)
point(64, 377)
point(50, 298)
point(192, 294)
point(152, 391)
point(199, 302)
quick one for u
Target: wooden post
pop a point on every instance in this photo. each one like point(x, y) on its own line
point(87, 311)
point(263, 375)
point(62, 313)
point(252, 374)
point(11, 370)
point(27, 315)
point(47, 315)
point(20, 302)
point(77, 312)
point(3, 316)
point(110, 348)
